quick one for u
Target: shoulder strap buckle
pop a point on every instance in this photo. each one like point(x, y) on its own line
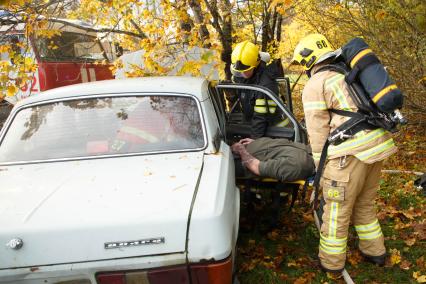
point(339, 136)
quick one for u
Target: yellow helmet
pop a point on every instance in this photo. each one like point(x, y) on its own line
point(312, 49)
point(245, 57)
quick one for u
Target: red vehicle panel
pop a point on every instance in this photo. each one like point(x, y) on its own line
point(58, 74)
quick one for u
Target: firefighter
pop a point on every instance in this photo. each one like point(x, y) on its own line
point(352, 169)
point(248, 68)
point(142, 126)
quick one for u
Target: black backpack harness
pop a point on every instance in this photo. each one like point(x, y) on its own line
point(368, 117)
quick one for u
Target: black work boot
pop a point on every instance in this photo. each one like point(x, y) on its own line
point(332, 274)
point(378, 260)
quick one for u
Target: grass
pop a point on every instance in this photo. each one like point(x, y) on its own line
point(289, 254)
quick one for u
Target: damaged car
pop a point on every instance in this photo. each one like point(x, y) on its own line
point(120, 181)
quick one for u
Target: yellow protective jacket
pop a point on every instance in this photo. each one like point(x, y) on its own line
point(327, 90)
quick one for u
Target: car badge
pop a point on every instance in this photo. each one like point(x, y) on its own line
point(151, 241)
point(15, 243)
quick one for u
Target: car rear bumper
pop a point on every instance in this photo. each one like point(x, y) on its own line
point(86, 270)
point(158, 270)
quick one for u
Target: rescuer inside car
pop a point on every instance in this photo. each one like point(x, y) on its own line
point(248, 68)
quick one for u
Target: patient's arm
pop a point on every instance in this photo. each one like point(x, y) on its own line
point(247, 160)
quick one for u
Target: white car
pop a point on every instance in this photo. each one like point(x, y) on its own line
point(121, 181)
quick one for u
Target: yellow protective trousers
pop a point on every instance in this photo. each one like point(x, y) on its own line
point(349, 188)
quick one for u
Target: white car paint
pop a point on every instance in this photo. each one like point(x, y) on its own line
point(101, 201)
point(65, 211)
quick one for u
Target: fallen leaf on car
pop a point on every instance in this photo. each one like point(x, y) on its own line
point(395, 257)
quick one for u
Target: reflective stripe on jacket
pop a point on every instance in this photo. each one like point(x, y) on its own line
point(263, 111)
point(327, 90)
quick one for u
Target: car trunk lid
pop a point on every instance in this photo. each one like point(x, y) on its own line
point(79, 211)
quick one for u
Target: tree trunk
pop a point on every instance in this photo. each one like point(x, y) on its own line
point(199, 19)
point(227, 38)
point(265, 28)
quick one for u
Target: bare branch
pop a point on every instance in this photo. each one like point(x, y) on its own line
point(85, 28)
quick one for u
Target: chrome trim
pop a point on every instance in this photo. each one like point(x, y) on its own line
point(109, 95)
point(141, 242)
point(15, 243)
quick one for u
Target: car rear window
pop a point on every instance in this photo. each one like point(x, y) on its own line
point(103, 126)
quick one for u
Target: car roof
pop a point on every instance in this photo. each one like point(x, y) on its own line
point(170, 84)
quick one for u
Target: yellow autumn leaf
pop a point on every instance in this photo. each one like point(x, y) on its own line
point(419, 278)
point(11, 90)
point(4, 78)
point(4, 48)
point(395, 257)
point(4, 3)
point(410, 242)
point(380, 15)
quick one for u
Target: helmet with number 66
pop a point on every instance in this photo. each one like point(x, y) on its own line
point(312, 49)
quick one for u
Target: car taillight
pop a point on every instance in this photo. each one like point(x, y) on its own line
point(176, 274)
point(208, 273)
point(212, 273)
point(111, 278)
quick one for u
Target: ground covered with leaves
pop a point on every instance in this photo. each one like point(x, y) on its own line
point(289, 254)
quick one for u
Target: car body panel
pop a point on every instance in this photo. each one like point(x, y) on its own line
point(215, 211)
point(86, 204)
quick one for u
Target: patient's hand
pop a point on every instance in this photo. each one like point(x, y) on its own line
point(246, 141)
point(237, 147)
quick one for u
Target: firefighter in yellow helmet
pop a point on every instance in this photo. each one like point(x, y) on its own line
point(352, 169)
point(248, 68)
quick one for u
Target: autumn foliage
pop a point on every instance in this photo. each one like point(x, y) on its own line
point(166, 29)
